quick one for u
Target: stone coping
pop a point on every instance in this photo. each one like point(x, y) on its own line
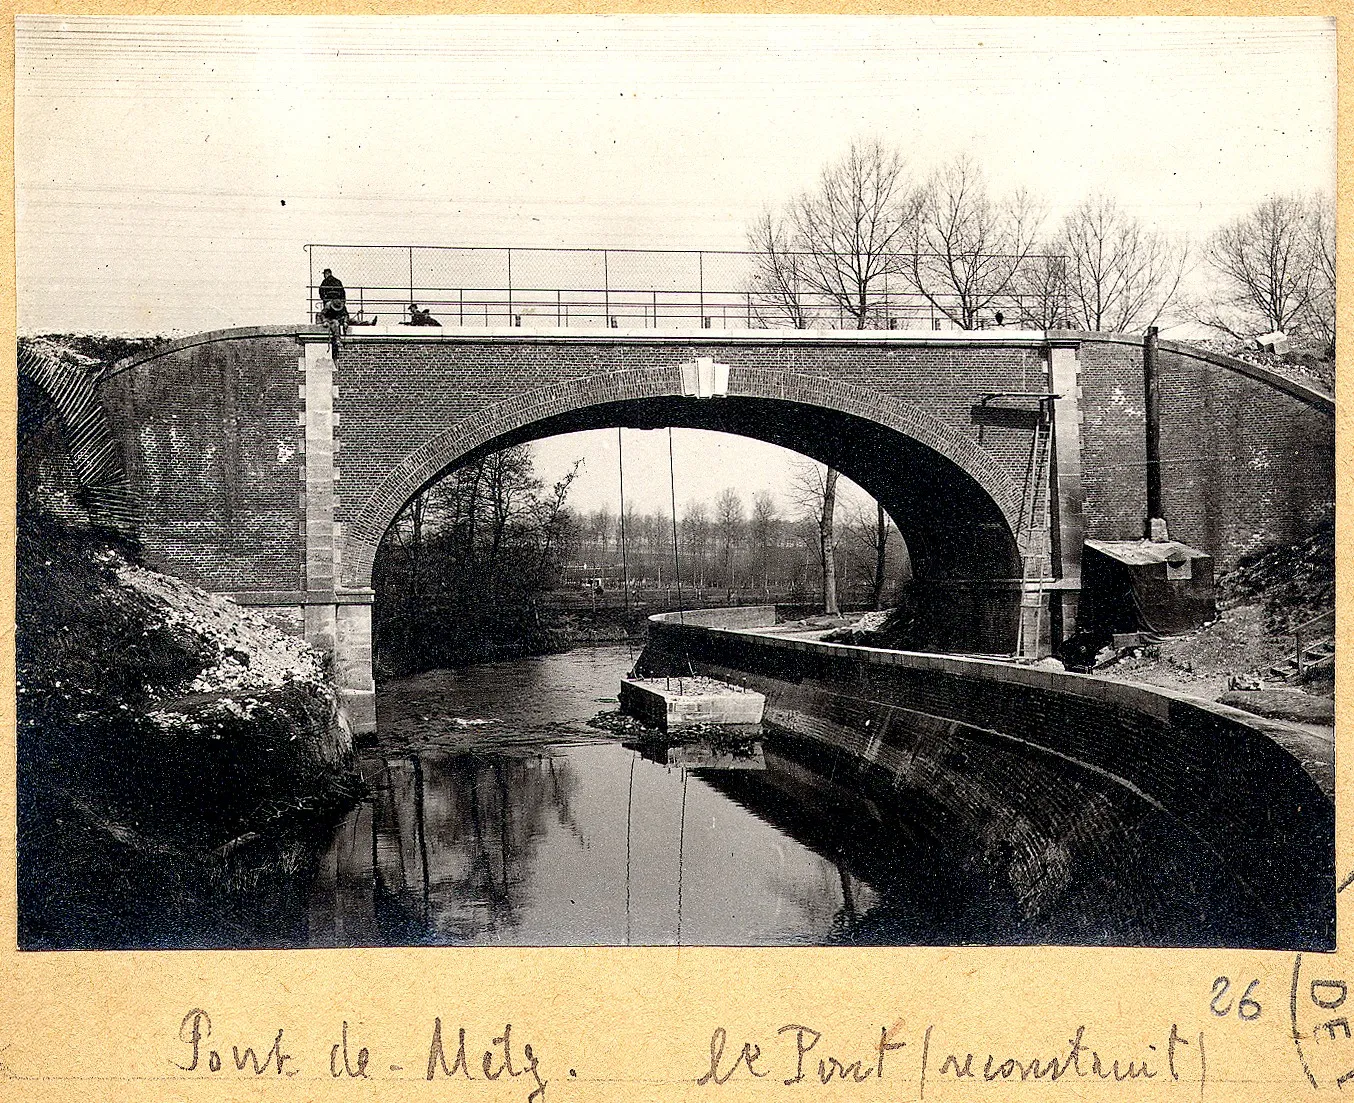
point(1154, 701)
point(925, 338)
point(238, 333)
point(1313, 396)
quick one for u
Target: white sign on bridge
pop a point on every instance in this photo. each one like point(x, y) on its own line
point(705, 378)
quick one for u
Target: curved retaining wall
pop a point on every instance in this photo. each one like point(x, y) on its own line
point(1212, 769)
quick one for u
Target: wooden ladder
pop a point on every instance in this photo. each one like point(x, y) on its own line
point(1033, 552)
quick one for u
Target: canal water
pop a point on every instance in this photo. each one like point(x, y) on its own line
point(499, 815)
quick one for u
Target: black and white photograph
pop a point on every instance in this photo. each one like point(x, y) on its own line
point(675, 480)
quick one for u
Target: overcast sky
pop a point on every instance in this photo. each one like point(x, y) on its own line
point(170, 171)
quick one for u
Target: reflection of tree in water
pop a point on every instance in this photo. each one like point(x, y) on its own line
point(454, 837)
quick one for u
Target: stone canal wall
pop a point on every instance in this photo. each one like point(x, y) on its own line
point(1213, 770)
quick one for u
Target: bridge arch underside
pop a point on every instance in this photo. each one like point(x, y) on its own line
point(965, 593)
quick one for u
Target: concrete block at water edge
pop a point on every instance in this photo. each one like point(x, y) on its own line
point(679, 702)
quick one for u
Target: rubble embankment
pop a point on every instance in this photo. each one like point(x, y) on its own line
point(1261, 603)
point(163, 731)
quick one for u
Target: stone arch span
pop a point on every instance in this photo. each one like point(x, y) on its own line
point(955, 505)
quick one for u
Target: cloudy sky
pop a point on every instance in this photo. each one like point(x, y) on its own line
point(171, 171)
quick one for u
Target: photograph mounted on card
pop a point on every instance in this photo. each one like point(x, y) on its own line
point(674, 481)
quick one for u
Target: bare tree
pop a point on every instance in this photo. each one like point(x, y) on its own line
point(729, 521)
point(837, 245)
point(815, 491)
point(556, 525)
point(407, 533)
point(779, 289)
point(870, 530)
point(1321, 304)
point(1117, 276)
point(1264, 264)
point(764, 535)
point(853, 227)
point(696, 537)
point(968, 249)
point(1042, 288)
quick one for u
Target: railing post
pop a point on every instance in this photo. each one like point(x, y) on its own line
point(510, 310)
point(606, 291)
point(700, 268)
point(411, 275)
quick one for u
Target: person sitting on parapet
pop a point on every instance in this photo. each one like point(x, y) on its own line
point(419, 317)
point(333, 299)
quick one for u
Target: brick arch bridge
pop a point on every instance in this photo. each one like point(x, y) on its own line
point(932, 470)
point(268, 468)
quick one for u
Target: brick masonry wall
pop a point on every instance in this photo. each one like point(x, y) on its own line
point(1213, 769)
point(1244, 463)
point(209, 433)
point(394, 394)
point(211, 442)
point(397, 396)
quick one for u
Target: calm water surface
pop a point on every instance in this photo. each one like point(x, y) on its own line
point(498, 814)
point(546, 830)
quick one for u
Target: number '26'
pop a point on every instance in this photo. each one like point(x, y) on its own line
point(1246, 1008)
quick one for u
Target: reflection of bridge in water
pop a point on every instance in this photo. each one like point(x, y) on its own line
point(581, 844)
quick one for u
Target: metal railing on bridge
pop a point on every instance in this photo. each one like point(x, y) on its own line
point(626, 288)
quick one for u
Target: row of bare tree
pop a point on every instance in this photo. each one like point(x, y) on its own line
point(870, 237)
point(870, 234)
point(463, 567)
point(724, 545)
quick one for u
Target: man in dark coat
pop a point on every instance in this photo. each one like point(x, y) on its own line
point(419, 317)
point(333, 299)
